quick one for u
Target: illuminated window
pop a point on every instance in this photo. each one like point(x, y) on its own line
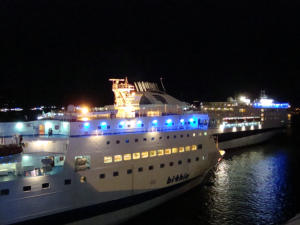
point(181, 149)
point(242, 110)
point(107, 159)
point(117, 158)
point(167, 151)
point(174, 150)
point(82, 179)
point(194, 134)
point(200, 134)
point(160, 152)
point(82, 162)
point(145, 155)
point(127, 157)
point(136, 155)
point(152, 153)
point(187, 148)
point(194, 147)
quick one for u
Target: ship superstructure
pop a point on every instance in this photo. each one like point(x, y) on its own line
point(112, 162)
point(240, 122)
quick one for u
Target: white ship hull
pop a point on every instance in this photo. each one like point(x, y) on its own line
point(113, 199)
point(248, 140)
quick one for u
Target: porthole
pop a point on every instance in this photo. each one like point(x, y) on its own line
point(179, 162)
point(45, 185)
point(152, 139)
point(181, 135)
point(174, 136)
point(168, 137)
point(171, 163)
point(102, 176)
point(140, 169)
point(108, 142)
point(27, 188)
point(4, 192)
point(162, 165)
point(115, 173)
point(118, 142)
point(67, 181)
point(189, 160)
point(151, 167)
point(160, 138)
point(129, 171)
point(136, 140)
point(144, 139)
point(188, 135)
point(197, 158)
point(127, 140)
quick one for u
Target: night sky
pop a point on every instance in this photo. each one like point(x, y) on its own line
point(61, 52)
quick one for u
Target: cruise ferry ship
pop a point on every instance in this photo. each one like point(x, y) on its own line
point(112, 162)
point(240, 122)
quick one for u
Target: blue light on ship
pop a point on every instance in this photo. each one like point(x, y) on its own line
point(169, 122)
point(272, 106)
point(103, 124)
point(86, 125)
point(154, 122)
point(19, 126)
point(139, 123)
point(121, 124)
point(182, 121)
point(191, 120)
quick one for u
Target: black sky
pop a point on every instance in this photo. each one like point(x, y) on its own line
point(60, 52)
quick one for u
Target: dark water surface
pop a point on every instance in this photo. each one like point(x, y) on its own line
point(252, 185)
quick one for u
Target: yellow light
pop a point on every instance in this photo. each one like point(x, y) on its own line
point(84, 110)
point(222, 152)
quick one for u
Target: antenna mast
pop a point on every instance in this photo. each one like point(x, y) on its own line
point(162, 84)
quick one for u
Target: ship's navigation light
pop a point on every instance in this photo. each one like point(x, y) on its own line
point(86, 125)
point(19, 126)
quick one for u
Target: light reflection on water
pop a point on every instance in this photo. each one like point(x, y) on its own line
point(253, 185)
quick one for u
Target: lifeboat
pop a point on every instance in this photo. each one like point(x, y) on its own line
point(10, 149)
